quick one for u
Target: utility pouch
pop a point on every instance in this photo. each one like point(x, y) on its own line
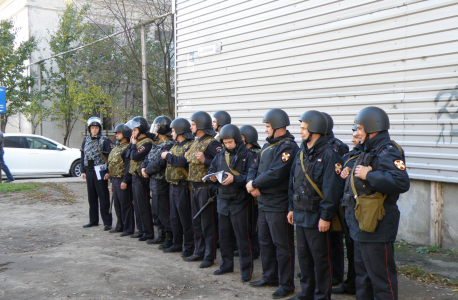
point(369, 209)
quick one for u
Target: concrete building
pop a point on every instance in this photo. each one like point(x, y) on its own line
point(37, 18)
point(337, 57)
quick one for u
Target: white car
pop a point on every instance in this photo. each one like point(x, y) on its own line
point(27, 154)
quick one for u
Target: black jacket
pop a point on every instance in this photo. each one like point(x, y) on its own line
point(340, 146)
point(270, 173)
point(234, 197)
point(157, 186)
point(389, 177)
point(324, 165)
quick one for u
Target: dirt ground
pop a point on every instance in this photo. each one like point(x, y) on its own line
point(46, 254)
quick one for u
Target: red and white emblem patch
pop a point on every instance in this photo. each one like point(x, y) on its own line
point(400, 164)
point(338, 168)
point(319, 160)
point(285, 156)
point(141, 149)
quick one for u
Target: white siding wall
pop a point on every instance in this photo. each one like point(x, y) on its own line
point(333, 56)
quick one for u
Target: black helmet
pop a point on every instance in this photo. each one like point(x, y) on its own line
point(230, 131)
point(315, 120)
point(161, 125)
point(140, 123)
point(355, 127)
point(373, 119)
point(181, 125)
point(250, 133)
point(277, 118)
point(94, 121)
point(202, 120)
point(126, 132)
point(222, 118)
point(330, 122)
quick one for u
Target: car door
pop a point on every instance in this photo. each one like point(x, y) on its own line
point(46, 157)
point(17, 154)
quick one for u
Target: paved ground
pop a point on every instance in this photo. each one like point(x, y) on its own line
point(46, 254)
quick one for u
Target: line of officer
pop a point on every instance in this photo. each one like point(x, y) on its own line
point(315, 189)
point(233, 207)
point(199, 157)
point(154, 168)
point(268, 180)
point(379, 172)
point(121, 182)
point(140, 144)
point(336, 237)
point(348, 286)
point(176, 174)
point(94, 150)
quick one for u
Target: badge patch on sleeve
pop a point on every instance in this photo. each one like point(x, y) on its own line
point(141, 149)
point(285, 156)
point(218, 149)
point(319, 160)
point(400, 164)
point(338, 168)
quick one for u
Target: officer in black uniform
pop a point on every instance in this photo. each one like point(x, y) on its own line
point(199, 157)
point(219, 119)
point(336, 237)
point(268, 180)
point(176, 174)
point(250, 137)
point(141, 143)
point(380, 172)
point(233, 207)
point(315, 189)
point(348, 286)
point(121, 182)
point(154, 168)
point(94, 152)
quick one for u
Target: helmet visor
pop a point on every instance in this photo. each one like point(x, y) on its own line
point(155, 127)
point(132, 124)
point(92, 120)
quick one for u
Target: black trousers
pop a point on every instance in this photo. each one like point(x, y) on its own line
point(155, 210)
point(160, 206)
point(254, 232)
point(142, 207)
point(314, 254)
point(180, 217)
point(204, 226)
point(276, 238)
point(375, 268)
point(349, 283)
point(337, 256)
point(122, 201)
point(236, 227)
point(97, 192)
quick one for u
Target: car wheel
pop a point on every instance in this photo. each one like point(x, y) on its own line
point(75, 170)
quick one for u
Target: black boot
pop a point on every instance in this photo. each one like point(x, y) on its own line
point(168, 241)
point(160, 237)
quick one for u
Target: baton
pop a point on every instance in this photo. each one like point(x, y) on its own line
point(210, 200)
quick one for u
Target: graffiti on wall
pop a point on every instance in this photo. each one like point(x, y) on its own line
point(450, 109)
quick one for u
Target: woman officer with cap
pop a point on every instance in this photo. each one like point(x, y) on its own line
point(94, 152)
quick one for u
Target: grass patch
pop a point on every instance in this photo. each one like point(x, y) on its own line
point(19, 187)
point(417, 273)
point(435, 250)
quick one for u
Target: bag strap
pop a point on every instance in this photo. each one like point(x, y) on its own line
point(317, 189)
point(399, 147)
point(229, 165)
point(271, 145)
point(351, 158)
point(103, 156)
point(352, 181)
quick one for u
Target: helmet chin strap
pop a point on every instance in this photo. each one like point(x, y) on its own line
point(273, 134)
point(309, 138)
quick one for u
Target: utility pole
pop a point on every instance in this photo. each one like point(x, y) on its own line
point(144, 74)
point(39, 92)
